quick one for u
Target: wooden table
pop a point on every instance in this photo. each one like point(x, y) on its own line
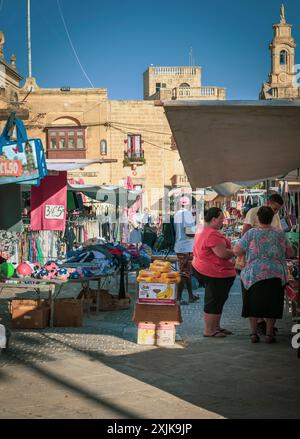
point(36, 285)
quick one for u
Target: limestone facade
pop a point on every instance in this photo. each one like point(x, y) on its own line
point(173, 83)
point(9, 79)
point(153, 167)
point(77, 124)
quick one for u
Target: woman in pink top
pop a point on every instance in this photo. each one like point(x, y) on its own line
point(214, 269)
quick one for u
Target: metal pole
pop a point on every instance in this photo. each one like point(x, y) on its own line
point(29, 39)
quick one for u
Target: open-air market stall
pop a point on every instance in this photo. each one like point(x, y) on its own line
point(224, 144)
point(21, 160)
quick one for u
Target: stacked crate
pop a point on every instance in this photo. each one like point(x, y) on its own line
point(156, 311)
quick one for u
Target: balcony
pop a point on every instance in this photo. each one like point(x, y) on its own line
point(133, 159)
point(179, 180)
point(179, 71)
point(66, 153)
point(213, 93)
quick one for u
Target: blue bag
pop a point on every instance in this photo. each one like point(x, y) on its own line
point(22, 160)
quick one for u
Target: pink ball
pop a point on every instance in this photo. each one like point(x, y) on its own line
point(23, 270)
point(51, 266)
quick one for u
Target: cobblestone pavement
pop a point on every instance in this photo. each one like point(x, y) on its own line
point(114, 333)
point(197, 378)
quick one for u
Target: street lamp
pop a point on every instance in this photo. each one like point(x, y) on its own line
point(103, 147)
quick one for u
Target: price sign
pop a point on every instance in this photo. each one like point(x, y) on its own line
point(53, 211)
point(10, 168)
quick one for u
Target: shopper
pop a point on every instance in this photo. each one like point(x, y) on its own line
point(275, 201)
point(183, 218)
point(214, 268)
point(265, 273)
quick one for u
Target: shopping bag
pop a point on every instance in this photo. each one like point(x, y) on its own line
point(22, 160)
point(291, 293)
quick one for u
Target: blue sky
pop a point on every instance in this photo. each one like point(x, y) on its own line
point(117, 40)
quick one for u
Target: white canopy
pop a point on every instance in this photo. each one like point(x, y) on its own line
point(235, 141)
point(69, 165)
point(114, 195)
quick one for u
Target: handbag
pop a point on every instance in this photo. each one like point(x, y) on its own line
point(23, 159)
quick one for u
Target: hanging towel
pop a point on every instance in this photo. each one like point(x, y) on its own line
point(49, 203)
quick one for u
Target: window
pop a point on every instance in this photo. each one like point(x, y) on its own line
point(160, 85)
point(65, 138)
point(283, 57)
point(134, 146)
point(184, 85)
point(103, 147)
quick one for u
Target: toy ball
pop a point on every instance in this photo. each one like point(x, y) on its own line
point(36, 269)
point(51, 266)
point(75, 275)
point(7, 269)
point(62, 274)
point(44, 274)
point(23, 270)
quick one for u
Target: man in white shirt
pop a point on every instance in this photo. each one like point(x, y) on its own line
point(275, 201)
point(184, 249)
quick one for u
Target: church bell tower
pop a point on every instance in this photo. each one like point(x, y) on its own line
point(281, 79)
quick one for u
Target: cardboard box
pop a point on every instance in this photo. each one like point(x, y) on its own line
point(165, 334)
point(157, 314)
point(68, 312)
point(164, 294)
point(29, 314)
point(146, 333)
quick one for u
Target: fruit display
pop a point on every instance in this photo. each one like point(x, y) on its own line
point(159, 272)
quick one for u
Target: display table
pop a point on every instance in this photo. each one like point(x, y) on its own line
point(36, 285)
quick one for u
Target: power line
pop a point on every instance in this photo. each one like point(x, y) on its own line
point(146, 141)
point(109, 124)
point(71, 44)
point(138, 126)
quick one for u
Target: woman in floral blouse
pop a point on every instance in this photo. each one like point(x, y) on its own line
point(265, 274)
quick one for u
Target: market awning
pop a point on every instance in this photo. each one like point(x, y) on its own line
point(70, 165)
point(235, 141)
point(208, 193)
point(114, 195)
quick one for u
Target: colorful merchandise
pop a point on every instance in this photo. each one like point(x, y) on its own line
point(7, 269)
point(23, 270)
point(49, 203)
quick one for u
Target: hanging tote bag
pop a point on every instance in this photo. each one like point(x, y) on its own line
point(21, 160)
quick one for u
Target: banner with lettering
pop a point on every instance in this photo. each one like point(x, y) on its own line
point(49, 203)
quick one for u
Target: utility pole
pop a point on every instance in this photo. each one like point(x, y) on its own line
point(29, 39)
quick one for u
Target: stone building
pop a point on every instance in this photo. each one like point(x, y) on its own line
point(282, 83)
point(84, 124)
point(9, 79)
point(130, 138)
